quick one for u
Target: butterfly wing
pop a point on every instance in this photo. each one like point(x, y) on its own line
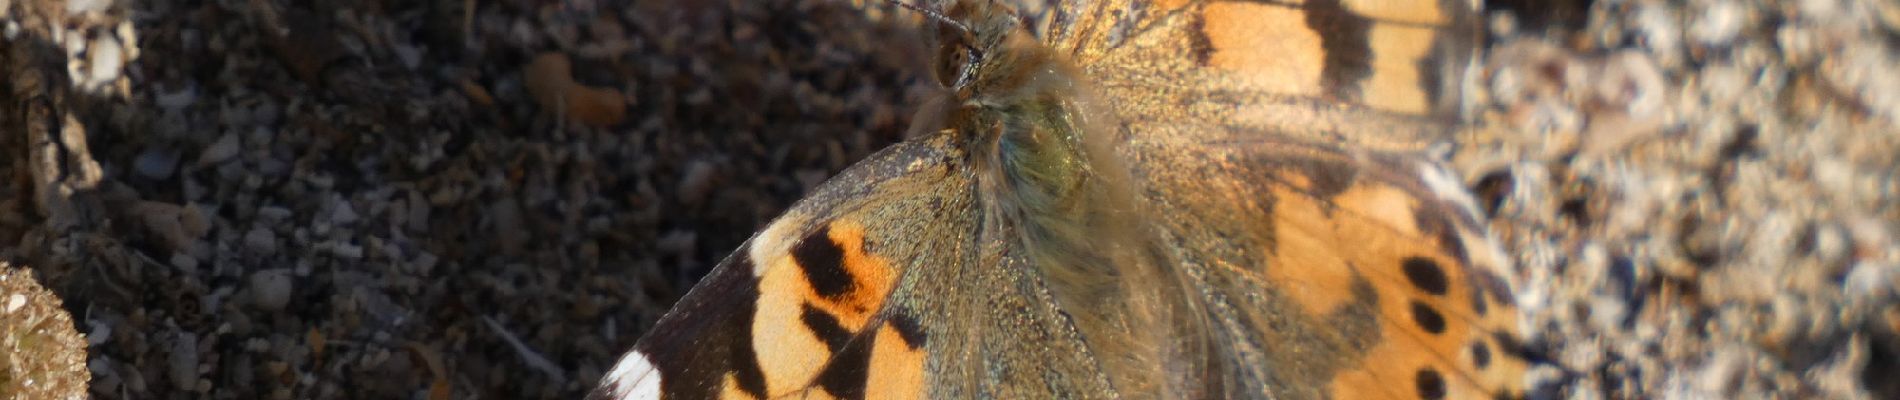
point(1377, 74)
point(845, 294)
point(1321, 273)
point(769, 316)
point(1275, 146)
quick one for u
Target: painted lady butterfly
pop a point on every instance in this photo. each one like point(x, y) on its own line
point(1127, 198)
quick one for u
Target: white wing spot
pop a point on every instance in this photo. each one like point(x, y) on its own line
point(1444, 184)
point(633, 378)
point(772, 242)
point(1480, 245)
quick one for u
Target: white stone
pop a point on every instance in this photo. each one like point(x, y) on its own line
point(107, 61)
point(15, 302)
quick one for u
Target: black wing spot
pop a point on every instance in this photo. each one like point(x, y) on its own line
point(908, 329)
point(1480, 355)
point(1478, 305)
point(1512, 348)
point(1328, 178)
point(1433, 222)
point(823, 262)
point(1495, 288)
point(825, 326)
point(1200, 48)
point(849, 371)
point(1431, 385)
point(1343, 35)
point(1427, 275)
point(1427, 318)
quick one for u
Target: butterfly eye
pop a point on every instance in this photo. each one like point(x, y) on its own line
point(965, 41)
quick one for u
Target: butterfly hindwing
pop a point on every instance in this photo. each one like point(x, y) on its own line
point(1328, 256)
point(1326, 274)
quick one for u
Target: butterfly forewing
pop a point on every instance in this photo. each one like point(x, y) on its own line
point(767, 321)
point(883, 284)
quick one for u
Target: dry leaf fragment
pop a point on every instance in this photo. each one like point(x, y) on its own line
point(477, 93)
point(317, 342)
point(550, 80)
point(439, 386)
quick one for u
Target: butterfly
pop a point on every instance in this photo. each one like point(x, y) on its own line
point(1192, 199)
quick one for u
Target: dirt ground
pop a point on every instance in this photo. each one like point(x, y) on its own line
point(460, 199)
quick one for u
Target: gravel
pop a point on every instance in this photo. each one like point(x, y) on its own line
point(1701, 196)
point(41, 356)
point(370, 200)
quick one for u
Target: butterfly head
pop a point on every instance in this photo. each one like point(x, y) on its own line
point(1018, 104)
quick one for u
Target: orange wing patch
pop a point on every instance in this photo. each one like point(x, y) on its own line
point(1371, 52)
point(897, 364)
point(1267, 43)
point(730, 389)
point(1395, 77)
point(1436, 320)
point(813, 300)
point(1438, 343)
point(1305, 261)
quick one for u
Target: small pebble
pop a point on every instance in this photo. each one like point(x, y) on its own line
point(107, 60)
point(134, 379)
point(418, 215)
point(266, 113)
point(425, 263)
point(410, 56)
point(184, 262)
point(270, 289)
point(697, 182)
point(677, 242)
point(344, 250)
point(273, 213)
point(178, 226)
point(155, 163)
point(234, 115)
point(73, 39)
point(341, 212)
point(1717, 24)
point(1657, 27)
point(98, 332)
point(220, 151)
point(177, 100)
point(1871, 282)
point(261, 240)
point(14, 302)
point(86, 6)
point(183, 361)
point(508, 225)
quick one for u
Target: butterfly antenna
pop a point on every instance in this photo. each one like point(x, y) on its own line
point(968, 38)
